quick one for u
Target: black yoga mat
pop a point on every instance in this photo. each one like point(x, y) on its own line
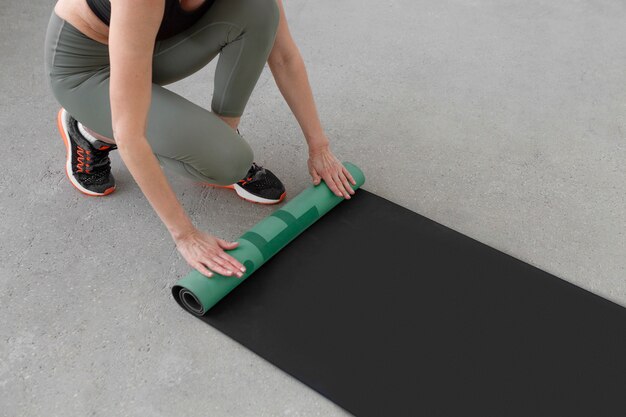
point(388, 313)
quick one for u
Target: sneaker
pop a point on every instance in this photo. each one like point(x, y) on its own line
point(87, 166)
point(259, 185)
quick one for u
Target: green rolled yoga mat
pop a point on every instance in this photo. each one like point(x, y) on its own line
point(198, 294)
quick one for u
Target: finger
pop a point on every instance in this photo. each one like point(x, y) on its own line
point(227, 245)
point(228, 261)
point(202, 269)
point(348, 175)
point(340, 186)
point(234, 263)
point(227, 266)
point(232, 260)
point(213, 266)
point(345, 182)
point(331, 184)
point(316, 178)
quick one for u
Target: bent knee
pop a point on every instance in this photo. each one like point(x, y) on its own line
point(233, 165)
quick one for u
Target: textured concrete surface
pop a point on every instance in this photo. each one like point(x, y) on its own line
point(505, 120)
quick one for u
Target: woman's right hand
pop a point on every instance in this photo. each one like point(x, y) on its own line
point(206, 254)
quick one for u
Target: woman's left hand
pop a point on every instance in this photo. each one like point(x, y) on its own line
point(324, 165)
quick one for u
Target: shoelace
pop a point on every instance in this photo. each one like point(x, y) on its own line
point(252, 174)
point(93, 161)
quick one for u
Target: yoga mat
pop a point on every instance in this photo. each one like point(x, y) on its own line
point(388, 313)
point(198, 294)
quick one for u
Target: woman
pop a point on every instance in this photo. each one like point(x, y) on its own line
point(107, 63)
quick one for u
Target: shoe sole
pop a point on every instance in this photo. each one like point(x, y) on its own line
point(245, 195)
point(63, 130)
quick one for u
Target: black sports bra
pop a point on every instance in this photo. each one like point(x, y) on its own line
point(175, 19)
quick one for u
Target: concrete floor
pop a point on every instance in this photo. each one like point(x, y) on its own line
point(505, 120)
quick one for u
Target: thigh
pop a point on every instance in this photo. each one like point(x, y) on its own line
point(207, 147)
point(223, 23)
point(184, 136)
point(182, 55)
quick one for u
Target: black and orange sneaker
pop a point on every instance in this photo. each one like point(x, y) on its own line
point(259, 185)
point(87, 164)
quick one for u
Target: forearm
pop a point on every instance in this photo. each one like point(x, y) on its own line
point(292, 80)
point(132, 33)
point(145, 169)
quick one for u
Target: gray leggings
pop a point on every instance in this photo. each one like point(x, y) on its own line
point(185, 138)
